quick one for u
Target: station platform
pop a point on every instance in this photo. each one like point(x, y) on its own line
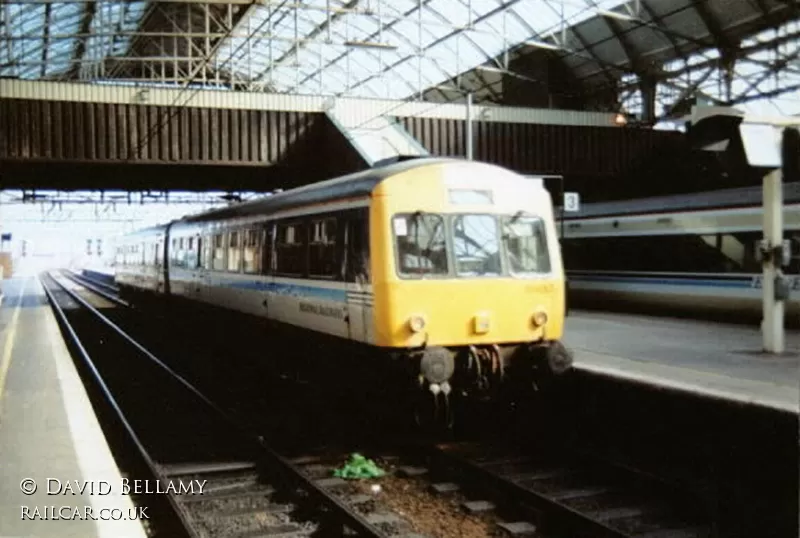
point(711, 359)
point(49, 433)
point(100, 273)
point(100, 276)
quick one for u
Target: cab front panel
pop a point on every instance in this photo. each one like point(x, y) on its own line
point(464, 257)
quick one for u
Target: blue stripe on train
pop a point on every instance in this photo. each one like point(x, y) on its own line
point(294, 290)
point(278, 288)
point(722, 283)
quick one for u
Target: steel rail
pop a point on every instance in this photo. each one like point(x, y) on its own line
point(281, 469)
point(558, 514)
point(67, 328)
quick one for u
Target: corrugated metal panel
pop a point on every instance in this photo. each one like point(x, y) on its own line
point(550, 149)
point(88, 131)
point(359, 110)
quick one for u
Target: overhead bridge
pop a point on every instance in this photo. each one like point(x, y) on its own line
point(67, 135)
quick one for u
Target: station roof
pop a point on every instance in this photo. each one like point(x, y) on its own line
point(405, 49)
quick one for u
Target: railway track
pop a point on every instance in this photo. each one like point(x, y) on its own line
point(564, 494)
point(560, 494)
point(181, 438)
point(103, 288)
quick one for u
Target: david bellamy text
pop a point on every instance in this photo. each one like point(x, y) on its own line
point(126, 487)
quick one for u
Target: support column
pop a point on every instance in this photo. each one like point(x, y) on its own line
point(648, 86)
point(468, 130)
point(772, 322)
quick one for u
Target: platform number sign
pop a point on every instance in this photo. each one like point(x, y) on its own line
point(572, 202)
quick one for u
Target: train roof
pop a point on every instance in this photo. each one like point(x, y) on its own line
point(349, 186)
point(721, 199)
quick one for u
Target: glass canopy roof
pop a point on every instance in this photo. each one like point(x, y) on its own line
point(401, 49)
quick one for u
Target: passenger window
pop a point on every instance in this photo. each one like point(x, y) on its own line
point(252, 242)
point(421, 245)
point(208, 253)
point(358, 248)
point(266, 249)
point(218, 263)
point(322, 248)
point(290, 249)
point(198, 254)
point(234, 252)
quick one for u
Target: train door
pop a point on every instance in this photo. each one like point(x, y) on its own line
point(158, 270)
point(196, 266)
point(267, 268)
point(357, 277)
point(204, 285)
point(166, 254)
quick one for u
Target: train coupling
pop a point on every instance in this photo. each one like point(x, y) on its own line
point(557, 359)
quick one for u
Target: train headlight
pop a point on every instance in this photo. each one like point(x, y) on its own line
point(416, 323)
point(539, 318)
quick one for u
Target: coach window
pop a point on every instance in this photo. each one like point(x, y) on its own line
point(251, 259)
point(190, 254)
point(357, 262)
point(290, 249)
point(421, 245)
point(198, 253)
point(322, 248)
point(476, 245)
point(267, 244)
point(219, 253)
point(185, 253)
point(526, 245)
point(207, 252)
point(234, 252)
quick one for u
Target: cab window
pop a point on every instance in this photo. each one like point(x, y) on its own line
point(476, 245)
point(421, 245)
point(526, 245)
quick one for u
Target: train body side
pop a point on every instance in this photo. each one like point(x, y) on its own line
point(139, 265)
point(680, 254)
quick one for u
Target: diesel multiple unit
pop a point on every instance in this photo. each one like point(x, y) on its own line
point(449, 268)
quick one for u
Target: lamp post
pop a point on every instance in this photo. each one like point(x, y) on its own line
point(771, 146)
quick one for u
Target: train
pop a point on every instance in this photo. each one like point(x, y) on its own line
point(446, 273)
point(692, 255)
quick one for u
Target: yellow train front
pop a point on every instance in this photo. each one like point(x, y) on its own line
point(467, 277)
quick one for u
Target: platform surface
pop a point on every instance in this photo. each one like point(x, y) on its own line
point(716, 359)
point(48, 430)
